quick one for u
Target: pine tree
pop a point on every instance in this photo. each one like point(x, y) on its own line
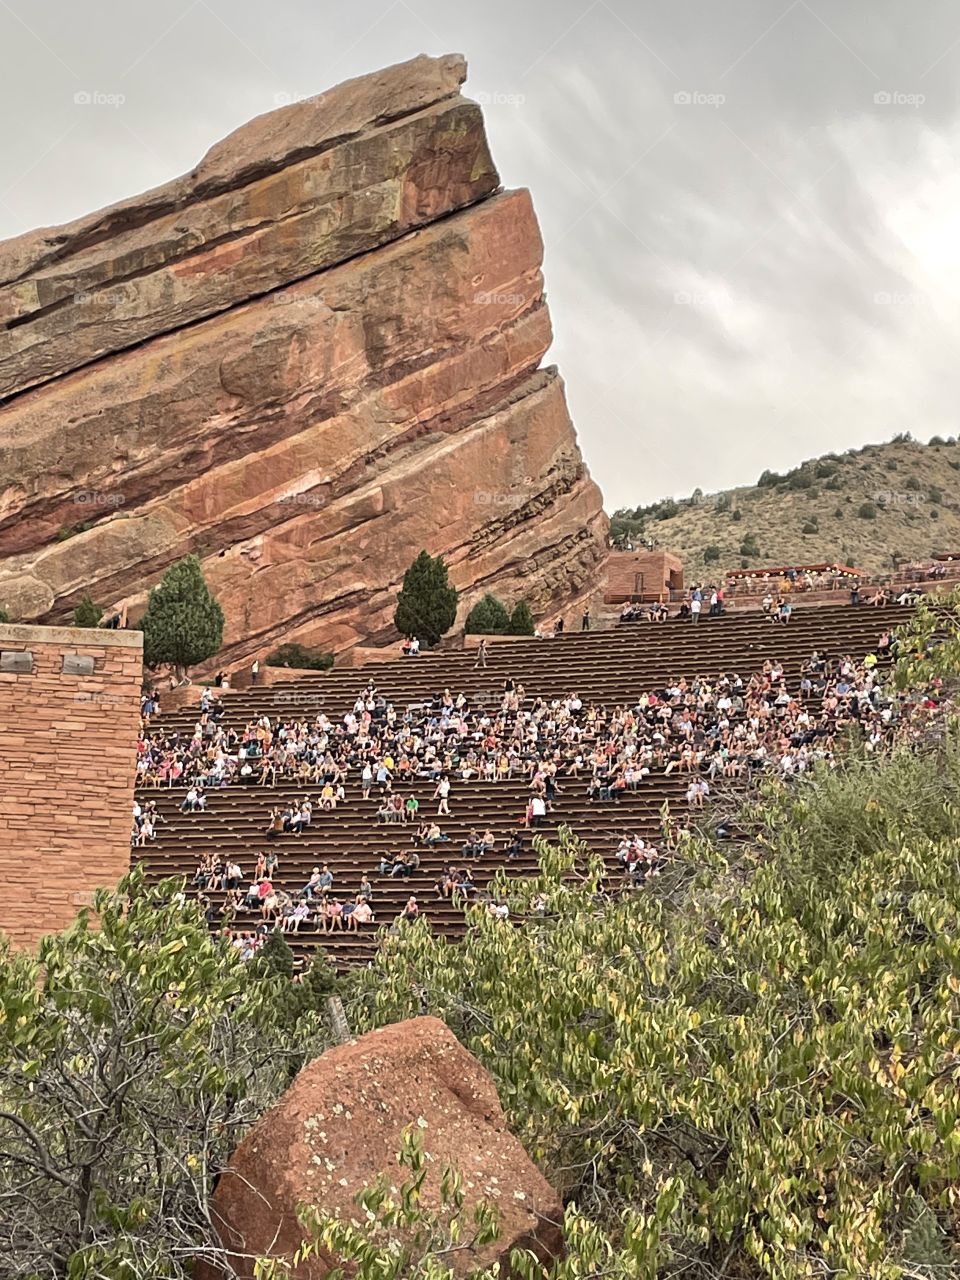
point(183, 624)
point(87, 614)
point(521, 620)
point(427, 604)
point(488, 617)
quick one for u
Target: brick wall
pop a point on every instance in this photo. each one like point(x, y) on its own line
point(67, 764)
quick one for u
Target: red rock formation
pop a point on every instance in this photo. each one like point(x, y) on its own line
point(309, 358)
point(339, 1126)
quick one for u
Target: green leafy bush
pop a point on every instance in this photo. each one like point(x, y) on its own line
point(300, 658)
point(133, 1057)
point(71, 530)
point(770, 1030)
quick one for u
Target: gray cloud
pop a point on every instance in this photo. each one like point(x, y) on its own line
point(749, 209)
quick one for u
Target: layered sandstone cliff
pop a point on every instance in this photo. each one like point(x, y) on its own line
point(310, 357)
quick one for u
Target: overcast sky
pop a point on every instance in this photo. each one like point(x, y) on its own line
point(751, 208)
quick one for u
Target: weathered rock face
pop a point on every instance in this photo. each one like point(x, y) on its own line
point(339, 1126)
point(312, 356)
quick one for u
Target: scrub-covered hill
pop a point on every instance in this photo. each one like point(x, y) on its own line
point(875, 507)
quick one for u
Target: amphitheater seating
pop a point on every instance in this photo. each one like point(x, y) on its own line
point(611, 666)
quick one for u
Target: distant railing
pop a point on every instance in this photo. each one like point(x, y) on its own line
point(907, 575)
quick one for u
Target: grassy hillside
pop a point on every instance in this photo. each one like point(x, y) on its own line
point(873, 507)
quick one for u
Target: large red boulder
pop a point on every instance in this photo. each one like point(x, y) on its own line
point(339, 1125)
point(312, 356)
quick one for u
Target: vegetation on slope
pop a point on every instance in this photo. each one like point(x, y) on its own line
point(874, 508)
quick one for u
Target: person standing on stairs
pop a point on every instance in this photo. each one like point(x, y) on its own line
point(481, 655)
point(585, 620)
point(442, 794)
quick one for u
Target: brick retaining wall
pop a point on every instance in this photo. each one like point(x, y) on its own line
point(67, 763)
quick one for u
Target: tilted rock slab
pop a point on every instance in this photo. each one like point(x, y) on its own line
point(315, 354)
point(339, 1126)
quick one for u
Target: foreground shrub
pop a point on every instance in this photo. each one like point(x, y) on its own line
point(132, 1059)
point(774, 1039)
point(300, 657)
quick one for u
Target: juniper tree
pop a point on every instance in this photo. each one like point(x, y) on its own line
point(87, 614)
point(183, 624)
point(427, 604)
point(488, 617)
point(521, 620)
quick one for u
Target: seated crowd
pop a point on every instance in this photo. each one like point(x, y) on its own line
point(702, 728)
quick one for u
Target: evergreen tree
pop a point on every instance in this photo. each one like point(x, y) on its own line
point(488, 617)
point(87, 614)
point(427, 604)
point(521, 620)
point(183, 624)
point(275, 959)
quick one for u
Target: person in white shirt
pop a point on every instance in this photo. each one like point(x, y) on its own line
point(442, 794)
